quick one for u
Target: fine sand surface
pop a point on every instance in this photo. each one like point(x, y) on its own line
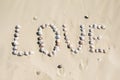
point(83, 66)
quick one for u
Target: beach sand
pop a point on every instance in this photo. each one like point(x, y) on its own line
point(30, 14)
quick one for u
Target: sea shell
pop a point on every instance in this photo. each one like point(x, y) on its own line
point(17, 27)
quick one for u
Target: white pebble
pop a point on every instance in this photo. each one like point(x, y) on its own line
point(31, 52)
point(94, 26)
point(91, 42)
point(15, 48)
point(26, 53)
point(16, 35)
point(57, 48)
point(17, 30)
point(20, 53)
point(76, 51)
point(16, 38)
point(96, 50)
point(17, 27)
point(15, 43)
point(90, 34)
point(57, 37)
point(99, 37)
point(91, 50)
point(39, 33)
point(15, 52)
point(102, 27)
point(35, 18)
point(82, 38)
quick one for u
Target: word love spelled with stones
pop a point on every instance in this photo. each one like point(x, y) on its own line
point(40, 42)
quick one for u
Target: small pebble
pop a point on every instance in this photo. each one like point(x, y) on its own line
point(17, 27)
point(26, 53)
point(90, 34)
point(86, 17)
point(15, 48)
point(16, 38)
point(82, 38)
point(17, 30)
point(91, 50)
point(104, 51)
point(15, 43)
point(96, 51)
point(94, 26)
point(59, 66)
point(91, 42)
point(38, 72)
point(57, 37)
point(35, 18)
point(16, 35)
point(31, 52)
point(20, 53)
point(99, 26)
point(15, 52)
point(102, 27)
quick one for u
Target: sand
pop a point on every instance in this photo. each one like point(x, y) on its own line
point(83, 66)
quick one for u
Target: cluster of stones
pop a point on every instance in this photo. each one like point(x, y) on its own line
point(80, 42)
point(41, 43)
point(92, 39)
point(15, 44)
